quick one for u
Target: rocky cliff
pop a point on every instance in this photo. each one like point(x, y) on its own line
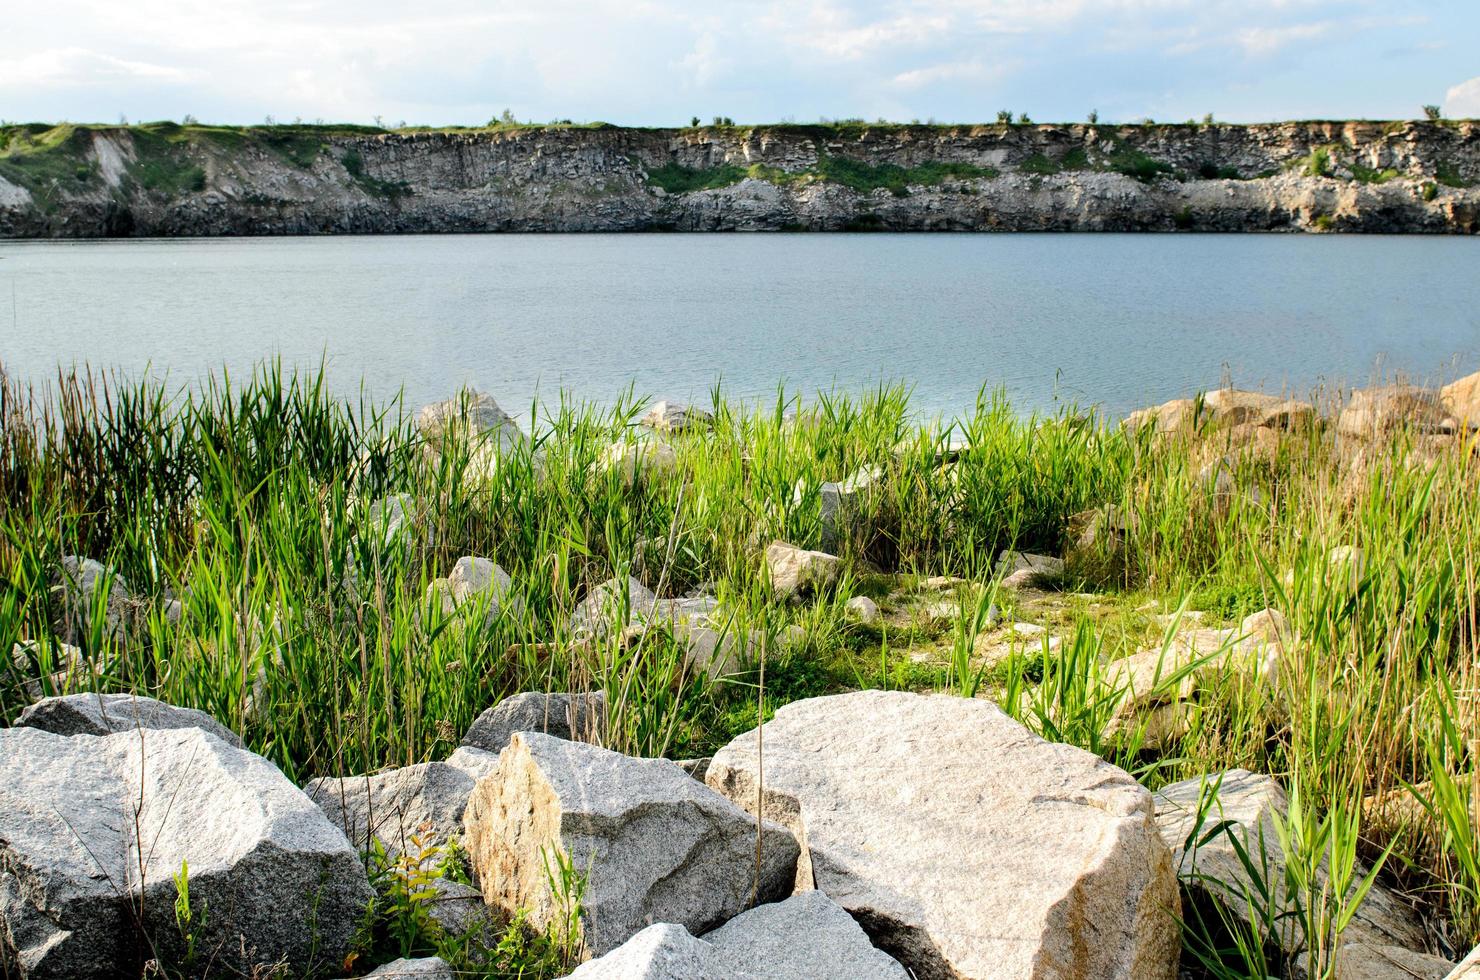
point(168, 179)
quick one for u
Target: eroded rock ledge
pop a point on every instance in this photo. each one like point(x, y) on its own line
point(165, 179)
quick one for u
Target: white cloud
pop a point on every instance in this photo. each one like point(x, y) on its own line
point(954, 71)
point(80, 67)
point(1462, 101)
point(1268, 40)
point(829, 30)
point(705, 62)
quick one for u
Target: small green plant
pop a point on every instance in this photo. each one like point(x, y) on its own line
point(1317, 163)
point(1369, 175)
point(408, 887)
point(188, 920)
point(567, 885)
point(1433, 113)
point(975, 616)
point(1321, 878)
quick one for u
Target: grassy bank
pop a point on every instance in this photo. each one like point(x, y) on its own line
point(309, 630)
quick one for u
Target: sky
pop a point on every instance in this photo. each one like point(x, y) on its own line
point(661, 62)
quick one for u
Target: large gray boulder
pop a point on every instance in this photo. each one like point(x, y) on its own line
point(82, 579)
point(806, 937)
point(580, 717)
point(94, 829)
point(658, 845)
point(407, 810)
point(108, 714)
point(1250, 803)
point(965, 845)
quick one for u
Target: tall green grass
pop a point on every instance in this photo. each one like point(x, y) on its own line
point(309, 630)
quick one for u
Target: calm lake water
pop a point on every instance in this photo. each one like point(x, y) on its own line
point(1112, 320)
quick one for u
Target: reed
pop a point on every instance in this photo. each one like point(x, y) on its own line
point(308, 630)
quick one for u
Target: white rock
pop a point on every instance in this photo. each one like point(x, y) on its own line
point(279, 881)
point(659, 846)
point(580, 717)
point(658, 952)
point(1019, 569)
point(806, 937)
point(423, 802)
point(106, 714)
point(1468, 968)
point(476, 579)
point(966, 846)
point(426, 968)
point(796, 571)
point(863, 609)
point(672, 416)
point(388, 522)
point(603, 607)
point(631, 461)
point(1159, 685)
point(475, 762)
point(459, 909)
point(471, 416)
point(1250, 802)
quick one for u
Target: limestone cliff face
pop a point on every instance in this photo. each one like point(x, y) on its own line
point(171, 180)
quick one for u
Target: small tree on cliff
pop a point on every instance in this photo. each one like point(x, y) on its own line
point(1432, 112)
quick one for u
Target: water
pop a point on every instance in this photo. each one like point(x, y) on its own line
point(1111, 320)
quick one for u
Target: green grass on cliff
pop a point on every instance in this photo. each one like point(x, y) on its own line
point(42, 159)
point(675, 178)
point(312, 635)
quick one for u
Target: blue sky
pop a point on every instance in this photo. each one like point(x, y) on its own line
point(659, 62)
